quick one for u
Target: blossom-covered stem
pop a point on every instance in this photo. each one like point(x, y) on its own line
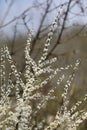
point(10, 86)
point(46, 62)
point(78, 103)
point(53, 125)
point(81, 117)
point(46, 98)
point(50, 34)
point(66, 87)
point(3, 76)
point(53, 75)
point(19, 82)
point(25, 115)
point(28, 73)
point(65, 93)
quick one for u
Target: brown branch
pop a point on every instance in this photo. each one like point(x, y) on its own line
point(18, 17)
point(76, 34)
point(13, 41)
point(61, 32)
point(7, 12)
point(40, 26)
point(25, 23)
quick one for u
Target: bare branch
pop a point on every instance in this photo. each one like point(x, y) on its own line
point(18, 17)
point(41, 23)
point(7, 12)
point(63, 25)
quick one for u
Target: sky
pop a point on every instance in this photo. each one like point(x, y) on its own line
point(19, 6)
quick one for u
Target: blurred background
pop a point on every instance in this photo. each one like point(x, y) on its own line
point(18, 17)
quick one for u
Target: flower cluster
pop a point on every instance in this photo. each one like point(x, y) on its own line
point(20, 115)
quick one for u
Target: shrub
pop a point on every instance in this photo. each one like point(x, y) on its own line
point(19, 113)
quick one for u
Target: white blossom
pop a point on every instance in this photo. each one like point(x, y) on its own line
point(20, 115)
